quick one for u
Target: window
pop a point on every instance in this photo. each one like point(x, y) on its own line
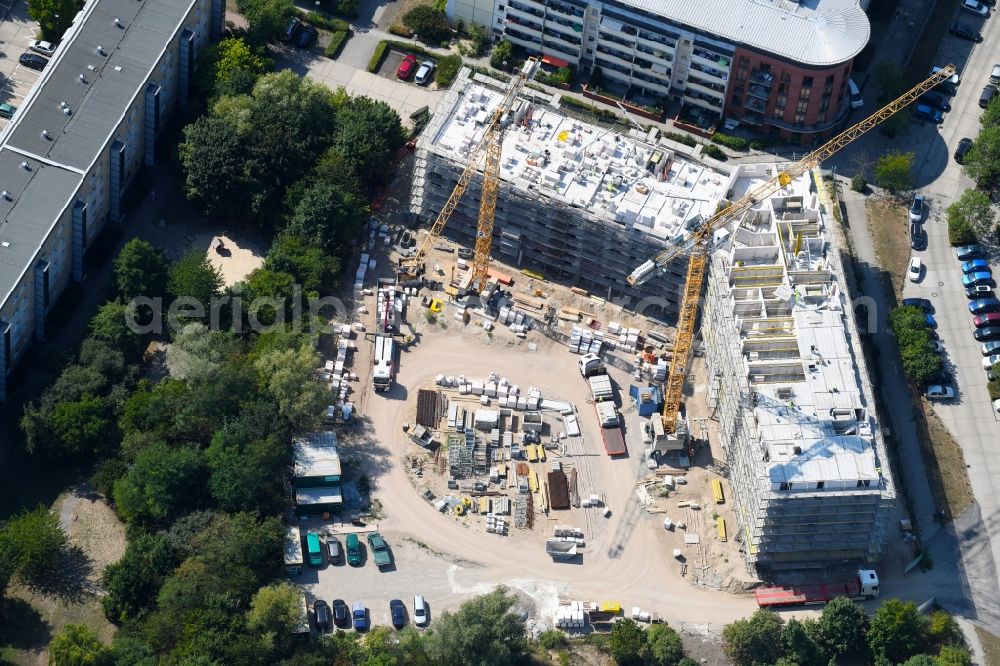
point(741, 74)
point(807, 81)
point(824, 105)
point(786, 486)
point(820, 485)
point(500, 7)
point(829, 80)
point(821, 117)
point(744, 60)
point(782, 99)
point(779, 113)
point(801, 107)
point(786, 77)
point(805, 93)
point(827, 91)
point(800, 118)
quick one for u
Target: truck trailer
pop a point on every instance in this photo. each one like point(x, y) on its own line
point(611, 428)
point(384, 359)
point(863, 586)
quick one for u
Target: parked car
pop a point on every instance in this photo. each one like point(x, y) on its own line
point(979, 291)
point(937, 100)
point(921, 303)
point(950, 85)
point(984, 305)
point(918, 238)
point(47, 49)
point(424, 73)
point(989, 319)
point(989, 348)
point(917, 208)
point(987, 334)
point(963, 148)
point(323, 615)
point(406, 68)
point(965, 252)
point(995, 74)
point(420, 614)
point(397, 611)
point(990, 361)
point(854, 93)
point(353, 550)
point(916, 267)
point(7, 110)
point(292, 29)
point(965, 31)
point(360, 614)
point(930, 321)
point(341, 613)
point(980, 277)
point(974, 265)
point(333, 549)
point(33, 61)
point(975, 7)
point(306, 36)
point(996, 405)
point(937, 346)
point(987, 95)
point(939, 392)
point(927, 112)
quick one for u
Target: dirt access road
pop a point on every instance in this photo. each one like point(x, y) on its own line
point(628, 562)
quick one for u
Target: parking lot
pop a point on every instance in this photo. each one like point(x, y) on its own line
point(16, 31)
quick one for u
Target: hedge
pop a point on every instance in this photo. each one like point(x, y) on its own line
point(323, 21)
point(447, 70)
point(336, 43)
point(378, 56)
point(730, 141)
point(715, 152)
point(600, 113)
point(994, 388)
point(686, 139)
point(400, 30)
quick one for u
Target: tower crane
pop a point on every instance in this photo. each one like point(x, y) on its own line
point(491, 143)
point(698, 243)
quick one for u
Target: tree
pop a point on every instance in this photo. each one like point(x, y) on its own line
point(920, 362)
point(311, 267)
point(214, 156)
point(482, 633)
point(83, 428)
point(627, 642)
point(33, 546)
point(991, 116)
point(754, 640)
point(552, 639)
point(953, 655)
point(799, 645)
point(896, 631)
point(110, 325)
point(894, 172)
point(162, 483)
point(129, 650)
point(502, 55)
point(77, 645)
point(140, 270)
point(238, 66)
point(267, 18)
point(942, 629)
point(663, 646)
point(327, 216)
point(275, 609)
point(54, 17)
point(920, 660)
point(198, 351)
point(369, 133)
point(430, 25)
point(973, 210)
point(194, 276)
point(134, 580)
point(289, 378)
point(841, 628)
point(248, 476)
point(982, 162)
point(889, 80)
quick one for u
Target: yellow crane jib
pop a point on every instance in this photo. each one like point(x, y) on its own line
point(698, 242)
point(490, 144)
point(657, 264)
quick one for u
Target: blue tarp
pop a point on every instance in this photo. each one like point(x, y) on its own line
point(651, 406)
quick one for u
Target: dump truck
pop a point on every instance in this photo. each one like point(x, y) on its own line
point(863, 586)
point(560, 550)
point(590, 365)
point(611, 428)
point(380, 550)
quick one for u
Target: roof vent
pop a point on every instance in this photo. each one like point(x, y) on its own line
point(46, 135)
point(82, 78)
point(25, 166)
point(62, 105)
point(118, 68)
point(5, 195)
point(67, 111)
point(100, 50)
point(120, 23)
point(5, 244)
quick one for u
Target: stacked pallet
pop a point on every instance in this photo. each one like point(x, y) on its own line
point(585, 341)
point(572, 616)
point(521, 519)
point(495, 524)
point(500, 506)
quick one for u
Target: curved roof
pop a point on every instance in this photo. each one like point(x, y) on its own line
point(813, 32)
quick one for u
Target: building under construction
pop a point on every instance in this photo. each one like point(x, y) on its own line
point(578, 203)
point(789, 386)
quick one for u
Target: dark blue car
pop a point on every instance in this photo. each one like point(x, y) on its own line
point(984, 306)
point(927, 112)
point(921, 303)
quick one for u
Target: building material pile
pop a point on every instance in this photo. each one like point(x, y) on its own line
point(496, 524)
point(558, 490)
point(522, 512)
point(585, 341)
point(428, 410)
point(572, 616)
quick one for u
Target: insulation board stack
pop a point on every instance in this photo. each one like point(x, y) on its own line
point(571, 617)
point(596, 343)
point(574, 340)
point(496, 524)
point(660, 371)
point(500, 505)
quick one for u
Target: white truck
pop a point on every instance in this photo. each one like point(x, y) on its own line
point(590, 365)
point(384, 360)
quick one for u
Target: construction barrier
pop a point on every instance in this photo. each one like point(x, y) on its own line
point(717, 493)
point(720, 525)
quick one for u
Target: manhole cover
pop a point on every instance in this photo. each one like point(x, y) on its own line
point(940, 284)
point(933, 294)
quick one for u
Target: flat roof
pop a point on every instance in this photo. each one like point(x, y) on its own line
point(810, 32)
point(316, 454)
point(73, 141)
point(324, 495)
point(613, 175)
point(808, 403)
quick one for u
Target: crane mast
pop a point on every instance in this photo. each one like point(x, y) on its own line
point(698, 243)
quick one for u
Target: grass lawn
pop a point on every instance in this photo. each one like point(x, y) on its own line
point(945, 464)
point(890, 231)
point(991, 646)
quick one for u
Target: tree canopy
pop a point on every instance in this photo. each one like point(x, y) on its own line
point(140, 270)
point(163, 483)
point(969, 216)
point(894, 172)
point(33, 546)
point(77, 645)
point(54, 17)
point(429, 24)
point(982, 162)
point(267, 18)
point(754, 640)
point(483, 632)
point(920, 362)
point(896, 631)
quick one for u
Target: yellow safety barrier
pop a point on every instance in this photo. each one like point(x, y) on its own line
point(717, 493)
point(720, 525)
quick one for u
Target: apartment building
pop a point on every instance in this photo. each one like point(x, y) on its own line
point(791, 391)
point(778, 67)
point(77, 141)
point(578, 203)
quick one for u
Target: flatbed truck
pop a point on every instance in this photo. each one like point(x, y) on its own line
point(611, 428)
point(863, 586)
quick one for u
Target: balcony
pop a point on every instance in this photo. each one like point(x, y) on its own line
point(803, 128)
point(523, 23)
point(606, 36)
point(707, 85)
point(614, 70)
point(525, 9)
point(760, 92)
point(522, 38)
point(570, 40)
point(568, 51)
point(710, 71)
point(763, 77)
point(615, 55)
point(573, 31)
point(657, 39)
point(713, 58)
point(650, 84)
point(756, 105)
point(563, 8)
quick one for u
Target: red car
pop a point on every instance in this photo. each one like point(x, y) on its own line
point(991, 319)
point(406, 68)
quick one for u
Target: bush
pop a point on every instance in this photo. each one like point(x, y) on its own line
point(994, 388)
point(858, 183)
point(920, 362)
point(960, 232)
point(348, 8)
point(447, 70)
point(502, 52)
point(763, 142)
point(430, 25)
point(378, 56)
point(686, 139)
point(326, 23)
point(601, 114)
point(715, 152)
point(337, 40)
point(400, 30)
point(560, 77)
point(729, 141)
point(553, 639)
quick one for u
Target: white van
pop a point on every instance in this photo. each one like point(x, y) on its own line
point(419, 611)
point(856, 101)
point(995, 74)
